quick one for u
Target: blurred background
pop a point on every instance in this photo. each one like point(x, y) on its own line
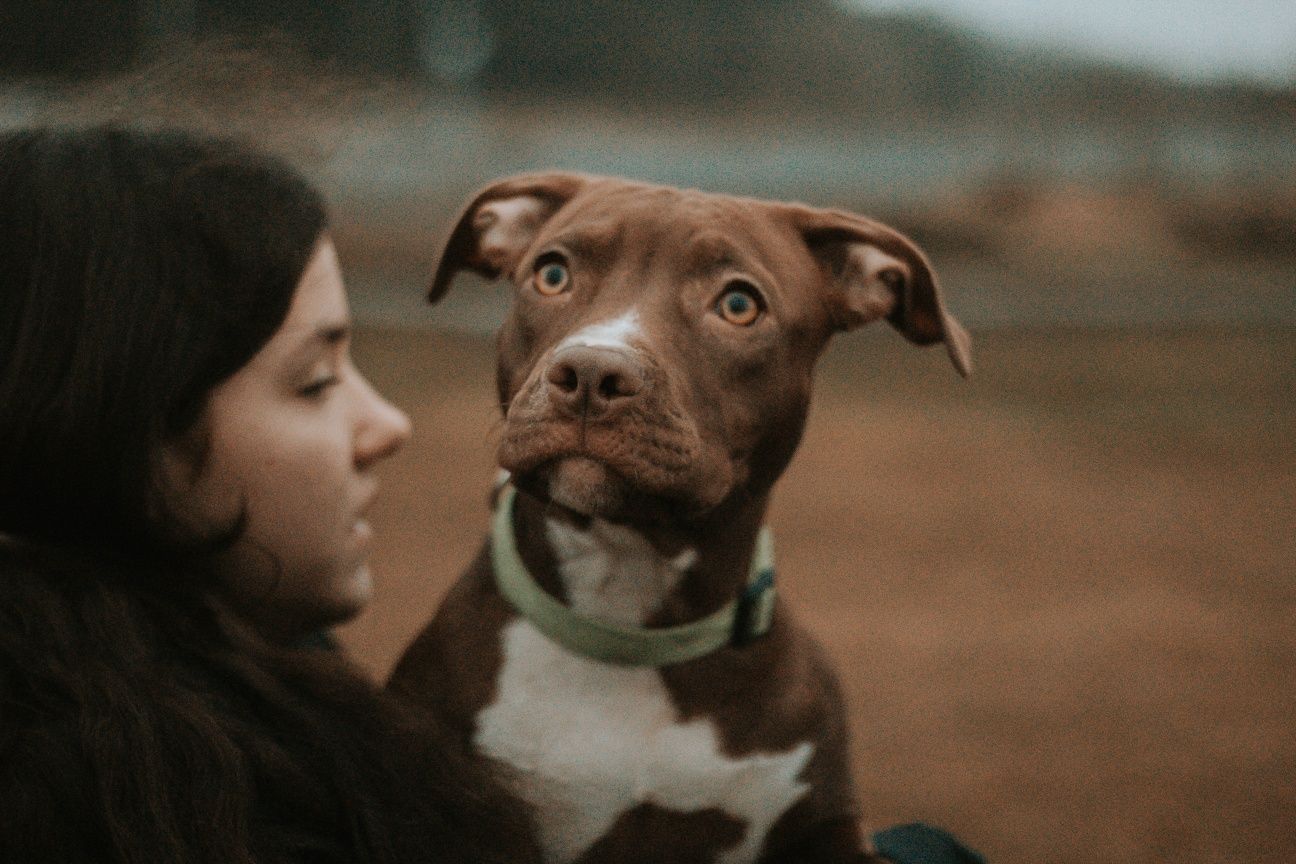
point(1063, 593)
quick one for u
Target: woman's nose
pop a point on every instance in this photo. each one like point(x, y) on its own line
point(382, 430)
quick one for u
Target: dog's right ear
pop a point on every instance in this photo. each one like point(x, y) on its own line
point(877, 272)
point(499, 224)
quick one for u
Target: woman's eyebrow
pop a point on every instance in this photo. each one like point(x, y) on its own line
point(331, 334)
point(325, 336)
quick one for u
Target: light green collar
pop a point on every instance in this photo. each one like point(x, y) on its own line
point(737, 623)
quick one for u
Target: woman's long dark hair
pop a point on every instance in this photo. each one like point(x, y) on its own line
point(141, 720)
point(137, 272)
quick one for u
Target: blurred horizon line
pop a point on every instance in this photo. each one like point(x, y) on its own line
point(1209, 44)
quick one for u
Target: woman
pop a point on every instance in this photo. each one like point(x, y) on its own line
point(187, 455)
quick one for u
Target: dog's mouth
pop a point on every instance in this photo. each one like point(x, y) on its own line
point(614, 476)
point(581, 485)
point(587, 488)
point(647, 459)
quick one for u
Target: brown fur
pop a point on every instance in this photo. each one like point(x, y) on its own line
point(682, 439)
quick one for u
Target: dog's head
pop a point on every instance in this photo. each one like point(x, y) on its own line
point(658, 356)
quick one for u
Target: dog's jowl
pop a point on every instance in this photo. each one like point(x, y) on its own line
point(617, 648)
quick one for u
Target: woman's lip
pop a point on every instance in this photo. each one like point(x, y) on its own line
point(366, 504)
point(361, 529)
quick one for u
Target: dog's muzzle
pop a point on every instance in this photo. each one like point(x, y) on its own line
point(591, 383)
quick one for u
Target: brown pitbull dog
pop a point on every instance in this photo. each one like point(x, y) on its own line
point(616, 648)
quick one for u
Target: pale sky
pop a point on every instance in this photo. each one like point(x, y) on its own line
point(1194, 39)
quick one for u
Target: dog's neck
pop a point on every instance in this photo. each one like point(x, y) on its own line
point(638, 575)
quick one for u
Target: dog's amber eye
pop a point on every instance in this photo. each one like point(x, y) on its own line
point(551, 278)
point(739, 306)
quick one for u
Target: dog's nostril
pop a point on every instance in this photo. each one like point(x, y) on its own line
point(565, 378)
point(610, 387)
point(593, 379)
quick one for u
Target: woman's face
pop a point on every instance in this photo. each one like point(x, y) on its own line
point(292, 440)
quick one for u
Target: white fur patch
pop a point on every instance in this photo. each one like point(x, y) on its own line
point(506, 228)
point(591, 740)
point(615, 333)
point(612, 572)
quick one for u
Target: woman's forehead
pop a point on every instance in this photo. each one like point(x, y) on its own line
point(319, 303)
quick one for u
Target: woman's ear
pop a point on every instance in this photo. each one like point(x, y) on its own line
point(499, 223)
point(873, 271)
point(177, 467)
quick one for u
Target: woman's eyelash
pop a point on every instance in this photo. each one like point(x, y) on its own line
point(318, 386)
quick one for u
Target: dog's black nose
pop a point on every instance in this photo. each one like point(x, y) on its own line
point(593, 381)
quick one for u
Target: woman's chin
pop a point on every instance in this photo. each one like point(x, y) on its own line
point(346, 597)
point(354, 594)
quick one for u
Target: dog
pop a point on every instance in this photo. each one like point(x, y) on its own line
point(616, 649)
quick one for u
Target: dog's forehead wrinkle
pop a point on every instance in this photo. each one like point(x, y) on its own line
point(625, 206)
point(594, 239)
point(709, 250)
point(749, 243)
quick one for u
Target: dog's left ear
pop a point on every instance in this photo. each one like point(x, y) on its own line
point(499, 223)
point(876, 272)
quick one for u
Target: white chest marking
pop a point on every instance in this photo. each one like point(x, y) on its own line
point(615, 333)
point(590, 740)
point(613, 572)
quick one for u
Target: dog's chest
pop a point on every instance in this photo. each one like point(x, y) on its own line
point(591, 741)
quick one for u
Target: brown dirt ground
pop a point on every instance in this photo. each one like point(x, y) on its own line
point(1061, 594)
